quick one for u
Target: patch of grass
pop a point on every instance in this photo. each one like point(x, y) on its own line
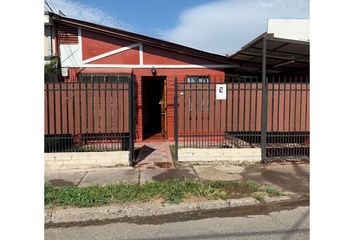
point(172, 191)
point(259, 196)
point(271, 191)
point(255, 186)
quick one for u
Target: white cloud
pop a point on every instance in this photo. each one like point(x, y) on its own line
point(73, 9)
point(224, 26)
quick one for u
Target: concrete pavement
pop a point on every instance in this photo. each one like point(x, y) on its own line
point(278, 225)
point(291, 177)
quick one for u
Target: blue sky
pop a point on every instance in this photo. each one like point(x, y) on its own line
point(219, 26)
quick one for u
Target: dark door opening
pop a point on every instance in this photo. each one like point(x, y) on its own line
point(154, 107)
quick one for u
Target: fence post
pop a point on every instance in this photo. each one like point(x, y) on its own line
point(176, 119)
point(131, 119)
point(264, 101)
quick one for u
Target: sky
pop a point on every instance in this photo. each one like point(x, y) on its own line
point(217, 26)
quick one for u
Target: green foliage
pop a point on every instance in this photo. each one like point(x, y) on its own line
point(51, 70)
point(273, 192)
point(259, 196)
point(172, 191)
point(253, 185)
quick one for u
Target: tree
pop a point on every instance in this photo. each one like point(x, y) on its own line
point(51, 71)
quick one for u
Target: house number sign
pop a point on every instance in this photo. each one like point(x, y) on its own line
point(220, 91)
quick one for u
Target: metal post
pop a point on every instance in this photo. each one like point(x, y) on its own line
point(176, 119)
point(131, 120)
point(264, 101)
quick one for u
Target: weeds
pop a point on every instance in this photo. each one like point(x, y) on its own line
point(259, 196)
point(253, 185)
point(273, 192)
point(173, 191)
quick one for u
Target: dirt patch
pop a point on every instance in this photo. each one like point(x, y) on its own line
point(61, 183)
point(291, 177)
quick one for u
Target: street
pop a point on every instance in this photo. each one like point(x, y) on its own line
point(284, 225)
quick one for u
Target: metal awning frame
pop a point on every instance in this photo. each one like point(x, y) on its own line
point(250, 57)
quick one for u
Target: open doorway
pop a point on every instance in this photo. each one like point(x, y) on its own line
point(154, 107)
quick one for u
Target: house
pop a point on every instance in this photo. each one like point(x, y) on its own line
point(91, 50)
point(117, 88)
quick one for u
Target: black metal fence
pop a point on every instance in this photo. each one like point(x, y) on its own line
point(230, 114)
point(94, 114)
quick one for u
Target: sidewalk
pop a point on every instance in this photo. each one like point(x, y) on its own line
point(290, 177)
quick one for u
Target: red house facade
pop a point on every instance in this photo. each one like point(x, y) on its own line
point(88, 49)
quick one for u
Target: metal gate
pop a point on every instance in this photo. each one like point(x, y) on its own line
point(94, 114)
point(249, 114)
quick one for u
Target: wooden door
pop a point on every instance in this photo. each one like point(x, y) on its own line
point(164, 111)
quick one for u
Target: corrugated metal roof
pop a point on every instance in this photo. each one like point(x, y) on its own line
point(283, 55)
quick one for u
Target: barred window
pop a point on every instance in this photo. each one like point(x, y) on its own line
point(197, 79)
point(104, 78)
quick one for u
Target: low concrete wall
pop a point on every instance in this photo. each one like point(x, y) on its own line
point(219, 154)
point(72, 160)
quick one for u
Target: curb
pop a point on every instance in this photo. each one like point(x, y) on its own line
point(58, 216)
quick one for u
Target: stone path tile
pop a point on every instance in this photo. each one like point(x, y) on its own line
point(63, 178)
point(110, 176)
point(154, 155)
point(152, 175)
point(215, 173)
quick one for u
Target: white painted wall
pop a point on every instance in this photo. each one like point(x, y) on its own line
point(295, 29)
point(219, 154)
point(81, 160)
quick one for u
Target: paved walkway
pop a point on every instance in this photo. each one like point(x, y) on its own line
point(288, 177)
point(153, 155)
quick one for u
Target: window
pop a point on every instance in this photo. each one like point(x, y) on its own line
point(104, 78)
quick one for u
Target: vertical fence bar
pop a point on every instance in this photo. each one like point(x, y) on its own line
point(208, 139)
point(295, 135)
point(232, 106)
point(250, 139)
point(105, 112)
point(118, 133)
point(80, 118)
point(48, 119)
point(86, 104)
point(190, 114)
point(176, 119)
point(278, 115)
point(196, 114)
point(300, 123)
point(264, 101)
point(73, 89)
point(256, 111)
point(289, 138)
point(202, 111)
point(184, 115)
point(131, 119)
point(61, 115)
point(55, 114)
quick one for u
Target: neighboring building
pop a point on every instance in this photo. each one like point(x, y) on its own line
point(295, 29)
point(50, 42)
point(89, 49)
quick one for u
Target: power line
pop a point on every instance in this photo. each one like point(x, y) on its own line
point(45, 1)
point(53, 5)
